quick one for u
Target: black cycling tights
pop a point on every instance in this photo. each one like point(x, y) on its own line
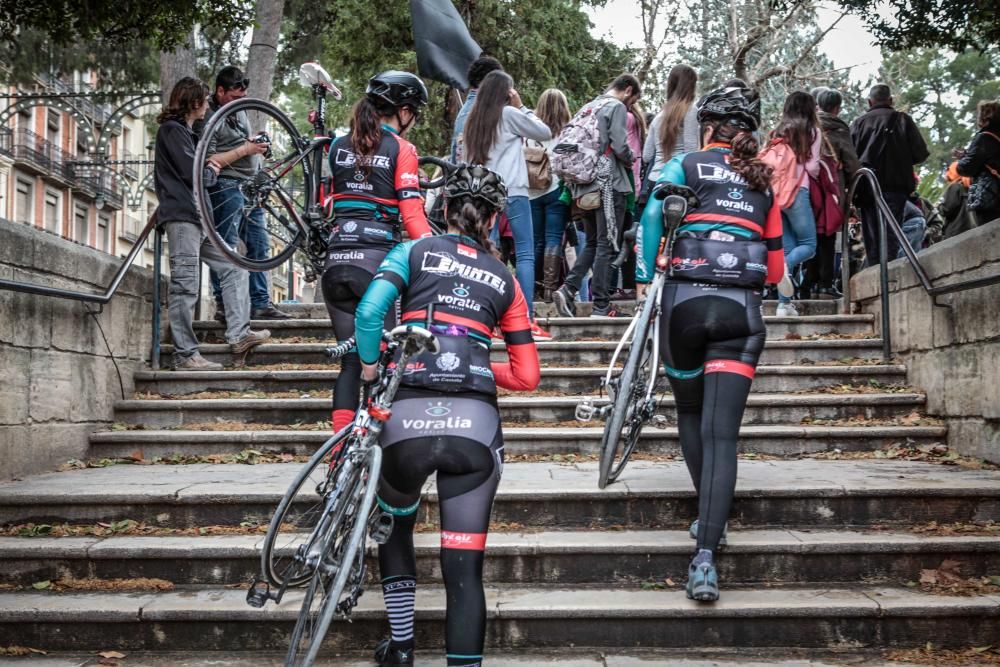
point(711, 338)
point(459, 437)
point(343, 287)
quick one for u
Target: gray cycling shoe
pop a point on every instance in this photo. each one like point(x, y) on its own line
point(693, 532)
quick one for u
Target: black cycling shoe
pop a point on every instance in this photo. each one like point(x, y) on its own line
point(385, 656)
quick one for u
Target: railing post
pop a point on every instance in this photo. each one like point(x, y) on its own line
point(845, 268)
point(154, 357)
point(883, 245)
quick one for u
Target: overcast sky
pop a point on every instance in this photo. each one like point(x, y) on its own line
point(849, 44)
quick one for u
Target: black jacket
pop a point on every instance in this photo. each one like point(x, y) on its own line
point(888, 142)
point(983, 150)
point(172, 173)
point(839, 136)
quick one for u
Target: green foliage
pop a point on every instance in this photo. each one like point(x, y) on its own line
point(956, 24)
point(940, 89)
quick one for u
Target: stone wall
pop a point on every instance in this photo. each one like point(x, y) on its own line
point(953, 352)
point(57, 380)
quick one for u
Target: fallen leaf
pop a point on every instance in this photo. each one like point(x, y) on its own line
point(41, 585)
point(929, 577)
point(111, 654)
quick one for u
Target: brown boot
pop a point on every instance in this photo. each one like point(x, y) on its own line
point(551, 270)
point(251, 339)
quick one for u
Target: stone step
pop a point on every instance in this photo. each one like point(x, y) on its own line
point(790, 493)
point(561, 353)
point(773, 440)
point(572, 380)
point(808, 307)
point(761, 409)
point(568, 328)
point(621, 558)
point(562, 657)
point(536, 617)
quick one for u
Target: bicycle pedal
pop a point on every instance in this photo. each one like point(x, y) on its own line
point(585, 410)
point(259, 593)
point(660, 421)
point(382, 527)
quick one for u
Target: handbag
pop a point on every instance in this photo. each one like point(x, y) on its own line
point(539, 169)
point(984, 192)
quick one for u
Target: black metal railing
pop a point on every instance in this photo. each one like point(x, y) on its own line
point(887, 221)
point(36, 151)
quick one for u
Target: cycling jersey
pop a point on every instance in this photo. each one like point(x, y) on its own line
point(732, 238)
point(370, 197)
point(473, 292)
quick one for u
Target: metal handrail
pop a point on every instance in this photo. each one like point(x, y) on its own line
point(108, 294)
point(886, 218)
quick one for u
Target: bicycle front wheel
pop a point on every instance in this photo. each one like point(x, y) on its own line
point(266, 209)
point(298, 514)
point(340, 573)
point(628, 409)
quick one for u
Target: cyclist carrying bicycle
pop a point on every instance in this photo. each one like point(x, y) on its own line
point(375, 188)
point(712, 328)
point(445, 416)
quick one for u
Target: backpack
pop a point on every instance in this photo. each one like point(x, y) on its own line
point(785, 179)
point(825, 195)
point(539, 168)
point(578, 146)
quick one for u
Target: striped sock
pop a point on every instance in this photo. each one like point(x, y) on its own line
point(399, 593)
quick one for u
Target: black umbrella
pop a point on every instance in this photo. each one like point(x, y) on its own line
point(445, 49)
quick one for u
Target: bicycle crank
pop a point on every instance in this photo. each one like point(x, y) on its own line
point(586, 411)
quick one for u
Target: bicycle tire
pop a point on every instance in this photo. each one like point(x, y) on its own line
point(355, 524)
point(624, 396)
point(273, 564)
point(203, 201)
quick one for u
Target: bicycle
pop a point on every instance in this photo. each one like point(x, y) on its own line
point(632, 389)
point(288, 186)
point(325, 543)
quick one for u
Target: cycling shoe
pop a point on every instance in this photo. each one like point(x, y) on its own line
point(386, 656)
point(703, 583)
point(693, 532)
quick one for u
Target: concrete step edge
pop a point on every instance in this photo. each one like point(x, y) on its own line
point(559, 321)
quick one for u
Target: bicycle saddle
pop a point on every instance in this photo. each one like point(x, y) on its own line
point(665, 189)
point(313, 74)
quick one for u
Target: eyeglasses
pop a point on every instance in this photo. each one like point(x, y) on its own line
point(240, 85)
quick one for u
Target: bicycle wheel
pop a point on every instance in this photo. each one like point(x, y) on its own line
point(628, 407)
point(277, 196)
point(297, 516)
point(340, 572)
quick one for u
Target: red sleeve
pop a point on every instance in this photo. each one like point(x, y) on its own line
point(522, 372)
point(411, 202)
point(772, 239)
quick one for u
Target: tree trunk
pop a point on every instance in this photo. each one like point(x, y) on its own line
point(264, 48)
point(177, 64)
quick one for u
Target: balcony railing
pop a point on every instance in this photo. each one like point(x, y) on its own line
point(35, 151)
point(7, 141)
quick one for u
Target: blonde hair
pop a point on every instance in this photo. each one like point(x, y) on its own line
point(553, 110)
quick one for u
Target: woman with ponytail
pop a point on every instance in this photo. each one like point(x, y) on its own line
point(675, 129)
point(712, 330)
point(472, 293)
point(375, 194)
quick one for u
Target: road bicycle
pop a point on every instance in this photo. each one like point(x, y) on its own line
point(287, 191)
point(634, 388)
point(317, 535)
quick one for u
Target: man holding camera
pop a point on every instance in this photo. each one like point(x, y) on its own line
point(237, 154)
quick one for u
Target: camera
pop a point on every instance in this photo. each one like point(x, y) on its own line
point(264, 138)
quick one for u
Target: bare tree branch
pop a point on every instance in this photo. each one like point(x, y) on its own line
point(790, 69)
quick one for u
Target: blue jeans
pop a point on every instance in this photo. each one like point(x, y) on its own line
point(798, 233)
point(519, 217)
point(227, 209)
point(548, 218)
point(914, 229)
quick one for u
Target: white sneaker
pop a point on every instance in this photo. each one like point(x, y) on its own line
point(785, 286)
point(786, 310)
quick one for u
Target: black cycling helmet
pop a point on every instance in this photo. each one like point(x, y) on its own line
point(400, 89)
point(473, 180)
point(736, 105)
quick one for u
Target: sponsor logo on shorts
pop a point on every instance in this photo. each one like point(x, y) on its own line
point(716, 235)
point(444, 264)
point(754, 266)
point(472, 541)
point(687, 263)
point(352, 256)
point(437, 424)
point(372, 231)
point(481, 371)
point(349, 227)
point(727, 260)
point(448, 361)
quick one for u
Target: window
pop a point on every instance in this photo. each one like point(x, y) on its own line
point(81, 230)
point(104, 233)
point(52, 127)
point(52, 217)
point(24, 201)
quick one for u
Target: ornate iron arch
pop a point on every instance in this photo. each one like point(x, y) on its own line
point(57, 102)
point(147, 98)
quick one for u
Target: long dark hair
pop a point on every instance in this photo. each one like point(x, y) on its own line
point(471, 217)
point(681, 84)
point(484, 119)
point(366, 130)
point(187, 95)
point(744, 156)
point(798, 124)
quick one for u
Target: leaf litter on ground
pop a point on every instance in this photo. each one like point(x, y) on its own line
point(931, 655)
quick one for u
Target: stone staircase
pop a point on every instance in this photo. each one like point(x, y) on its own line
point(821, 564)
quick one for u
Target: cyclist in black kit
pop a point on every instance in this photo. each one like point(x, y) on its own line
point(375, 186)
point(445, 416)
point(712, 331)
